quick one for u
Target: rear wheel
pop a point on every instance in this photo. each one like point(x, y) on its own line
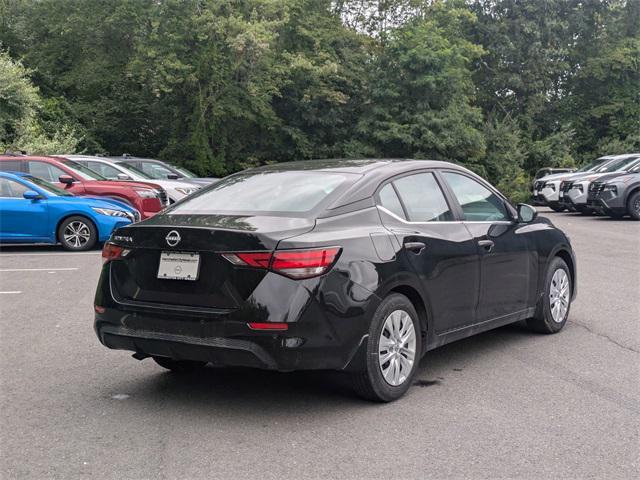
point(179, 366)
point(393, 351)
point(633, 205)
point(553, 309)
point(77, 233)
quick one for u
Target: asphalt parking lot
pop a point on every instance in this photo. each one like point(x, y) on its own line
point(505, 404)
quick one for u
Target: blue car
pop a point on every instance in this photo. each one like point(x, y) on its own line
point(35, 211)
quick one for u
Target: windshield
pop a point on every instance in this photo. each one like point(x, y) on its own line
point(185, 172)
point(47, 187)
point(590, 165)
point(133, 169)
point(633, 167)
point(83, 172)
point(263, 192)
point(616, 165)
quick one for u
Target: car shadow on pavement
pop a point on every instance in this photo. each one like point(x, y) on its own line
point(240, 390)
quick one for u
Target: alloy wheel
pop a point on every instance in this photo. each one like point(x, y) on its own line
point(559, 295)
point(77, 234)
point(397, 347)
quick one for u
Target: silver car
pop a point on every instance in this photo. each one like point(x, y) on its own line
point(113, 170)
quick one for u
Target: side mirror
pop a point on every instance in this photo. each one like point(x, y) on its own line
point(526, 213)
point(123, 176)
point(66, 179)
point(31, 195)
point(172, 176)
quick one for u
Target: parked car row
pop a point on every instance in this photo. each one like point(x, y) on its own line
point(37, 203)
point(608, 185)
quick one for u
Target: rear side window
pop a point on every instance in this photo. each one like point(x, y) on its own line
point(389, 200)
point(10, 166)
point(423, 199)
point(264, 192)
point(478, 202)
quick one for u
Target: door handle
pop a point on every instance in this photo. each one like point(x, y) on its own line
point(487, 245)
point(415, 247)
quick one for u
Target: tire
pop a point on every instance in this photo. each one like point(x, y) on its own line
point(551, 317)
point(77, 233)
point(556, 208)
point(584, 210)
point(372, 384)
point(179, 366)
point(633, 205)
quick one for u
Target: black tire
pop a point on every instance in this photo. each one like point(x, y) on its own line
point(543, 321)
point(371, 384)
point(633, 205)
point(556, 208)
point(584, 210)
point(87, 233)
point(179, 366)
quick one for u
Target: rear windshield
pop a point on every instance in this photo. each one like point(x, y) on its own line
point(264, 192)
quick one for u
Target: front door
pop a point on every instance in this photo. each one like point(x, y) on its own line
point(508, 259)
point(439, 249)
point(21, 219)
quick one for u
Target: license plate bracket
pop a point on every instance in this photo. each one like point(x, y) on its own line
point(179, 266)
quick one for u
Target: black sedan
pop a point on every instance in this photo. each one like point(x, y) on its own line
point(353, 265)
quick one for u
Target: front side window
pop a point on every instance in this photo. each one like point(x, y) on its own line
point(478, 203)
point(156, 171)
point(263, 192)
point(11, 188)
point(422, 198)
point(45, 171)
point(104, 169)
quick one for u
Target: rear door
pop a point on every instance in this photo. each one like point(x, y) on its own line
point(440, 249)
point(508, 258)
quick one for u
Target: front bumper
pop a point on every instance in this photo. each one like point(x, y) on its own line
point(576, 197)
point(607, 202)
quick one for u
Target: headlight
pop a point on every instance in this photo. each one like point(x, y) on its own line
point(185, 191)
point(147, 193)
point(111, 213)
point(552, 186)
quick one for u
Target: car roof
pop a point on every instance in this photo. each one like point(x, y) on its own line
point(14, 174)
point(372, 172)
point(359, 166)
point(46, 158)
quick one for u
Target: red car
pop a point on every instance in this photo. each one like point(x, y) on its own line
point(147, 198)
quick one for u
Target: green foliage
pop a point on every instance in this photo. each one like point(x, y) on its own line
point(502, 86)
point(23, 124)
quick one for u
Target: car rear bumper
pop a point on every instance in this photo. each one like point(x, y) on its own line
point(235, 344)
point(320, 333)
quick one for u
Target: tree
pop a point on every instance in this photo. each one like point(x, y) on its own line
point(21, 114)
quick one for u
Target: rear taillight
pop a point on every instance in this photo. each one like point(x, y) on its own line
point(291, 263)
point(111, 251)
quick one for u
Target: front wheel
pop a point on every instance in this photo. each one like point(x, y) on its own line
point(77, 233)
point(553, 308)
point(633, 206)
point(393, 351)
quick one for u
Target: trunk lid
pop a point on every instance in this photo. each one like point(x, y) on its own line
point(220, 285)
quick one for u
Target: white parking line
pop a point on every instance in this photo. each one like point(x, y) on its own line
point(10, 293)
point(37, 269)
